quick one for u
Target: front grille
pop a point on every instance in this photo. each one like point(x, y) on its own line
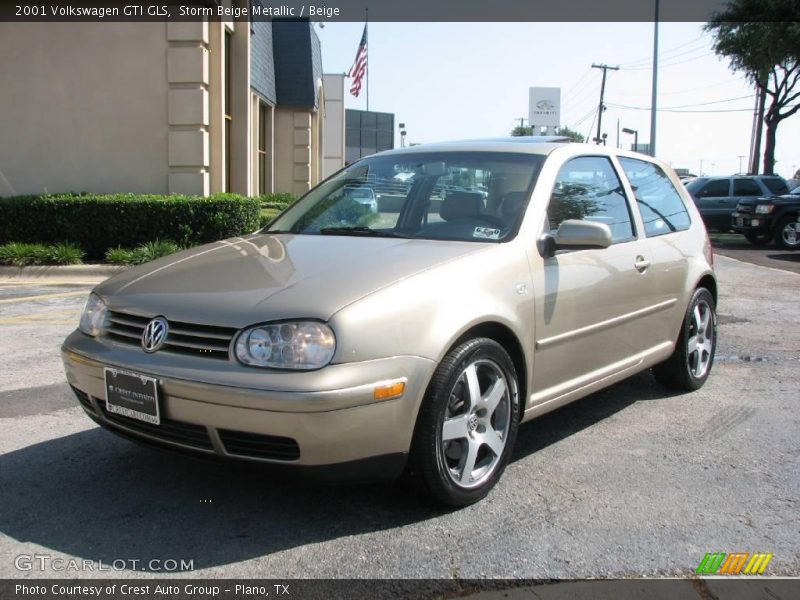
point(208, 341)
point(744, 208)
point(83, 398)
point(169, 430)
point(259, 446)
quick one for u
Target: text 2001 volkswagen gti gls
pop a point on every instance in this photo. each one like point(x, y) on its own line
point(496, 281)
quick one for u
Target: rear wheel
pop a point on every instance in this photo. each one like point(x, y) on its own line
point(787, 235)
point(691, 362)
point(758, 239)
point(467, 423)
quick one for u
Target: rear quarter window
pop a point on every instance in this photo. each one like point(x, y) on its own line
point(660, 204)
point(776, 186)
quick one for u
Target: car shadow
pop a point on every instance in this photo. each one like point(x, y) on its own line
point(788, 256)
point(95, 496)
point(568, 420)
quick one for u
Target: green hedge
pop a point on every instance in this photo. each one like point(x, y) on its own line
point(97, 222)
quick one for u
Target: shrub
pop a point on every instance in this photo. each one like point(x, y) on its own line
point(119, 256)
point(64, 254)
point(153, 250)
point(21, 255)
point(279, 201)
point(98, 222)
point(267, 215)
point(142, 254)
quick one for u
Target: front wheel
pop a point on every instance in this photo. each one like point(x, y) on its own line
point(467, 423)
point(787, 235)
point(690, 364)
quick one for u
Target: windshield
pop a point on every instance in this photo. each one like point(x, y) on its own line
point(465, 196)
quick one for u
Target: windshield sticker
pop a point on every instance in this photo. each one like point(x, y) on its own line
point(486, 233)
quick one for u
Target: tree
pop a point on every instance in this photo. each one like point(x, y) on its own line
point(571, 134)
point(520, 130)
point(762, 39)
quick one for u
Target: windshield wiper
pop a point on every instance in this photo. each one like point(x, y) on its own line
point(366, 231)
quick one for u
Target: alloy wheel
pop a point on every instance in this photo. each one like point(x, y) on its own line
point(700, 341)
point(476, 423)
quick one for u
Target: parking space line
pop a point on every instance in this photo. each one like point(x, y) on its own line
point(39, 322)
point(43, 297)
point(44, 315)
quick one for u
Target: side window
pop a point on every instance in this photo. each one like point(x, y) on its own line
point(588, 188)
point(776, 186)
point(746, 187)
point(715, 189)
point(659, 202)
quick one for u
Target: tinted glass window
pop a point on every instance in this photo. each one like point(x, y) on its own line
point(746, 187)
point(588, 188)
point(659, 202)
point(776, 186)
point(715, 188)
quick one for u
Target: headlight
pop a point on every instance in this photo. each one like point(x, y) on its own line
point(764, 209)
point(93, 316)
point(293, 345)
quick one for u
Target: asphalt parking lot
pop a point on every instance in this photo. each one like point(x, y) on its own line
point(735, 246)
point(632, 481)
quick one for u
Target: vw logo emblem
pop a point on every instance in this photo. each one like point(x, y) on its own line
point(155, 334)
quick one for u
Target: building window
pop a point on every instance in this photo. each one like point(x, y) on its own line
point(226, 100)
point(263, 115)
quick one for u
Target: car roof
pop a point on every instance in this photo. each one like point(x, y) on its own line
point(520, 145)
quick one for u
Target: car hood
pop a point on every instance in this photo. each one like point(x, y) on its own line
point(264, 277)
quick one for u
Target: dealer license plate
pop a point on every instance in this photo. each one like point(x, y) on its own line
point(132, 395)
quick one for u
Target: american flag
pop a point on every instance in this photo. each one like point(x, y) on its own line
point(359, 68)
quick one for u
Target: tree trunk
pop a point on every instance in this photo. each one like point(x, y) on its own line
point(769, 145)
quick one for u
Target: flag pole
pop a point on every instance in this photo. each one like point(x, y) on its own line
point(366, 26)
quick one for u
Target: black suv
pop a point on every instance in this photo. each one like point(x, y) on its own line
point(762, 220)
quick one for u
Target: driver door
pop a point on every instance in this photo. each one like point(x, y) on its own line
point(588, 301)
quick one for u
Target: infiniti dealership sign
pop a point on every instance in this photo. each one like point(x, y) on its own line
point(544, 107)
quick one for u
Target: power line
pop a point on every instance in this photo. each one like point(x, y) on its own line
point(663, 56)
point(648, 59)
point(672, 64)
point(718, 110)
point(704, 103)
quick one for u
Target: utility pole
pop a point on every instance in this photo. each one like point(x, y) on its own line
point(605, 68)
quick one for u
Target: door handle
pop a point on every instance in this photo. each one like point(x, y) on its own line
point(641, 264)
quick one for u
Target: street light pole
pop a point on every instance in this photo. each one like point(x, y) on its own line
point(635, 134)
point(655, 87)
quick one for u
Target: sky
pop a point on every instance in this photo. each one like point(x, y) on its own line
point(449, 81)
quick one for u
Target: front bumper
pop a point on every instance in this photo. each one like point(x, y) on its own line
point(751, 223)
point(312, 427)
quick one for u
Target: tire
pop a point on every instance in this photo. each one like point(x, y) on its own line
point(786, 231)
point(462, 443)
point(690, 364)
point(758, 239)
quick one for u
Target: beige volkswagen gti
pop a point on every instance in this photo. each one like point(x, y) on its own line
point(492, 282)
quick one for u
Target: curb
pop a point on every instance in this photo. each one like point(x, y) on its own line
point(67, 272)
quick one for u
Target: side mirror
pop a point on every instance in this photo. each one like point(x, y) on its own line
point(573, 234)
